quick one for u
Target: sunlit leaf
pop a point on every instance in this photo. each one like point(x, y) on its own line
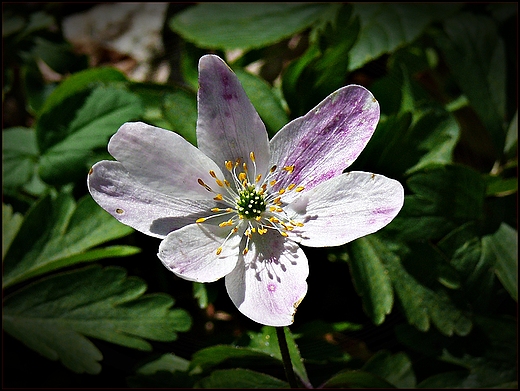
point(54, 316)
point(56, 232)
point(99, 117)
point(245, 25)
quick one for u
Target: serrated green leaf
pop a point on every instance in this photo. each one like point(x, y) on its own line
point(246, 25)
point(56, 232)
point(240, 378)
point(20, 156)
point(443, 198)
point(394, 368)
point(420, 303)
point(387, 26)
point(168, 371)
point(11, 223)
point(102, 113)
point(504, 246)
point(472, 42)
point(55, 315)
point(371, 279)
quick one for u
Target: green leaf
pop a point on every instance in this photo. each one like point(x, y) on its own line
point(20, 156)
point(168, 371)
point(11, 223)
point(55, 315)
point(244, 26)
point(356, 379)
point(103, 112)
point(394, 368)
point(266, 341)
point(240, 378)
point(443, 198)
point(231, 356)
point(264, 100)
point(180, 110)
point(421, 303)
point(371, 279)
point(387, 26)
point(503, 244)
point(473, 42)
point(56, 232)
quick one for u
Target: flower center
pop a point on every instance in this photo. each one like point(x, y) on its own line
point(251, 203)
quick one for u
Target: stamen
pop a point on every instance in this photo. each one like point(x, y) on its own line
point(201, 182)
point(252, 156)
point(299, 188)
point(289, 169)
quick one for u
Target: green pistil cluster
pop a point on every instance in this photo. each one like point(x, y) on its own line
point(251, 203)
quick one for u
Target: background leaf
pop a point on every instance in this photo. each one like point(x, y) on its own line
point(55, 315)
point(247, 26)
point(240, 378)
point(56, 232)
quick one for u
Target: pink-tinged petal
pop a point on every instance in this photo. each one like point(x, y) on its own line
point(163, 160)
point(190, 252)
point(326, 140)
point(269, 282)
point(139, 206)
point(228, 126)
point(345, 208)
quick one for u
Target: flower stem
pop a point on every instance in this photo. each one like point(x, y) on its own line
point(286, 358)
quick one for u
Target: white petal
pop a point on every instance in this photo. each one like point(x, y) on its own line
point(163, 160)
point(139, 206)
point(327, 139)
point(228, 126)
point(269, 282)
point(345, 208)
point(190, 252)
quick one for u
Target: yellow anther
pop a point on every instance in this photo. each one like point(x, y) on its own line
point(219, 182)
point(226, 182)
point(218, 197)
point(284, 234)
point(219, 250)
point(229, 165)
point(296, 224)
point(258, 178)
point(289, 169)
point(212, 173)
point(252, 156)
point(245, 251)
point(291, 186)
point(272, 208)
point(281, 191)
point(279, 209)
point(201, 220)
point(276, 201)
point(272, 183)
point(226, 223)
point(215, 209)
point(273, 169)
point(244, 166)
point(299, 188)
point(242, 176)
point(274, 220)
point(229, 210)
point(253, 230)
point(258, 218)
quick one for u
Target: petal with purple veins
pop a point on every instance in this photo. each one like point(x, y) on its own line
point(345, 208)
point(269, 282)
point(228, 126)
point(326, 140)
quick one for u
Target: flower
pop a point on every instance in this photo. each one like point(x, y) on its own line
point(238, 205)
